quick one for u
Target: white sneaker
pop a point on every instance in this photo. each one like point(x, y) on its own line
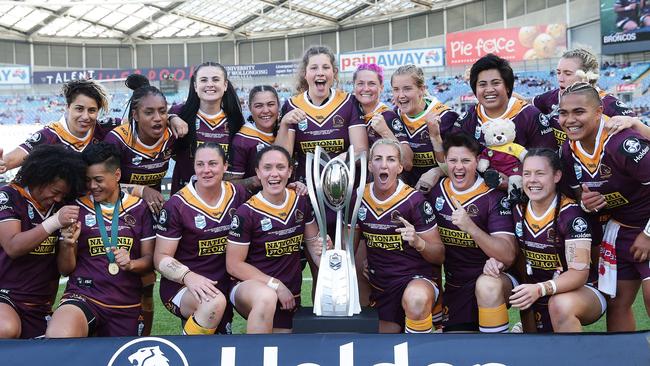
point(517, 328)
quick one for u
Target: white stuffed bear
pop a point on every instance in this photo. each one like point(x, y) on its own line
point(502, 155)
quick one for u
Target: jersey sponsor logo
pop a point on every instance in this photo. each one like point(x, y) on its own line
point(129, 220)
point(543, 120)
point(4, 198)
point(234, 224)
point(543, 261)
point(579, 225)
point(162, 217)
point(577, 169)
point(505, 203)
point(334, 145)
point(47, 246)
point(266, 224)
point(456, 238)
point(635, 148)
point(338, 121)
point(199, 221)
point(90, 220)
point(146, 179)
point(472, 210)
point(212, 246)
point(560, 136)
point(423, 159)
point(96, 245)
point(427, 208)
point(299, 216)
point(440, 203)
point(30, 212)
point(604, 171)
point(395, 217)
point(35, 137)
point(383, 241)
point(362, 213)
point(615, 199)
point(283, 247)
point(136, 160)
point(149, 351)
point(397, 125)
point(259, 147)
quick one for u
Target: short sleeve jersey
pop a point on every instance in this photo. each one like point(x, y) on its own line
point(490, 211)
point(273, 234)
point(140, 163)
point(417, 132)
point(245, 146)
point(390, 259)
point(392, 121)
point(201, 229)
point(532, 127)
point(619, 169)
point(549, 104)
point(33, 277)
point(90, 277)
point(327, 125)
point(543, 242)
point(58, 133)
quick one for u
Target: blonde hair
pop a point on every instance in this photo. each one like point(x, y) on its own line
point(301, 84)
point(588, 71)
point(414, 72)
point(390, 142)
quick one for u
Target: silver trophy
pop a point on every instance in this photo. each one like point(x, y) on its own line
point(331, 182)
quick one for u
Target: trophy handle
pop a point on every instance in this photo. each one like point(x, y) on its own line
point(318, 186)
point(312, 194)
point(355, 306)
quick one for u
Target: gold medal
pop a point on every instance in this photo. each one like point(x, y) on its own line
point(113, 268)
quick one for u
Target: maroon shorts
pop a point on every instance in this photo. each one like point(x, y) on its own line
point(388, 302)
point(106, 321)
point(460, 311)
point(169, 290)
point(33, 317)
point(627, 267)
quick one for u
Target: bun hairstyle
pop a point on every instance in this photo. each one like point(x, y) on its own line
point(587, 77)
point(135, 81)
point(141, 88)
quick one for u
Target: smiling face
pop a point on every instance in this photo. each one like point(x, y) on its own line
point(210, 84)
point(461, 165)
point(367, 88)
point(151, 114)
point(265, 110)
point(385, 165)
point(580, 117)
point(273, 171)
point(82, 115)
point(103, 183)
point(51, 193)
point(566, 72)
point(539, 179)
point(491, 90)
point(407, 95)
point(209, 167)
point(319, 74)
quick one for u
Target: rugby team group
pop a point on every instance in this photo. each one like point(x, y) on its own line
point(541, 205)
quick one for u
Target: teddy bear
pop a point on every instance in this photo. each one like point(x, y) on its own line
point(502, 155)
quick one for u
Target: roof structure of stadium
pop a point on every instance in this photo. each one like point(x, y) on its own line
point(157, 19)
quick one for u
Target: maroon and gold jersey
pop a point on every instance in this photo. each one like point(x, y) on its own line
point(619, 169)
point(327, 125)
point(532, 127)
point(245, 146)
point(490, 211)
point(392, 121)
point(549, 104)
point(90, 277)
point(58, 133)
point(273, 234)
point(33, 277)
point(142, 164)
point(201, 231)
point(417, 132)
point(390, 259)
point(208, 129)
point(543, 239)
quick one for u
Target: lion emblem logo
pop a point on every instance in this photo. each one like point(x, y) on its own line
point(148, 356)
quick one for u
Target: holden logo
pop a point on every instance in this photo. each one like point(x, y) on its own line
point(148, 351)
point(632, 145)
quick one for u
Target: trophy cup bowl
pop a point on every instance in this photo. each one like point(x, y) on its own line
point(335, 183)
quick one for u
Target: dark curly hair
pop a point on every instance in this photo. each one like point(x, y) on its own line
point(102, 152)
point(48, 163)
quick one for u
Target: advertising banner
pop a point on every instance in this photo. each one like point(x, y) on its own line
point(624, 26)
point(513, 44)
point(335, 350)
point(422, 57)
point(14, 75)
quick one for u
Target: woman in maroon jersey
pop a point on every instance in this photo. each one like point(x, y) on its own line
point(31, 218)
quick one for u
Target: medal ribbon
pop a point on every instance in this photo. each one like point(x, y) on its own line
point(102, 228)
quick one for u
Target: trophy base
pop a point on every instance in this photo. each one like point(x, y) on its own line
point(304, 321)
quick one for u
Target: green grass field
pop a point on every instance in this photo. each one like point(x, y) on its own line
point(167, 324)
